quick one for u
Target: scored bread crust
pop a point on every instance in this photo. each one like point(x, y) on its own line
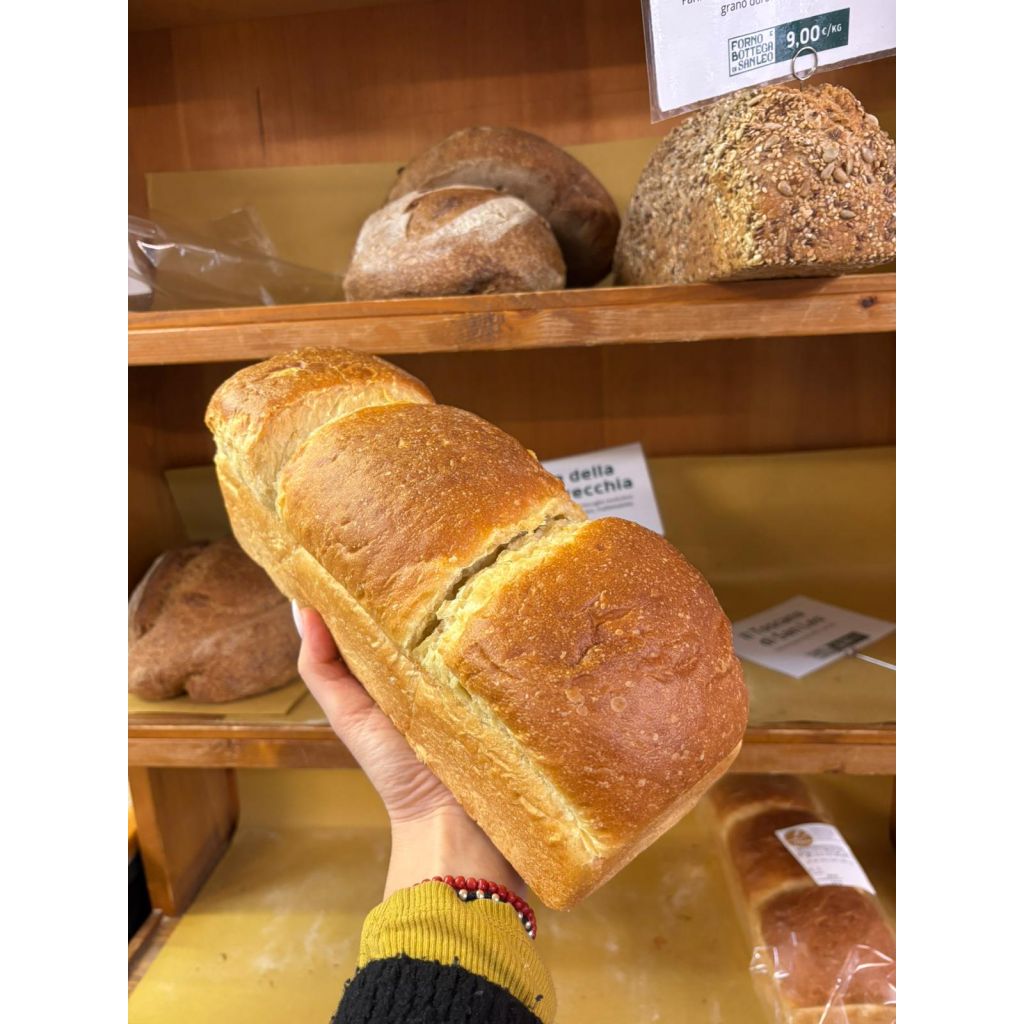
point(399, 502)
point(598, 622)
point(482, 523)
point(453, 241)
point(831, 950)
point(563, 191)
point(768, 182)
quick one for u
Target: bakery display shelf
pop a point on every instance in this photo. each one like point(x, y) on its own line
point(762, 528)
point(857, 303)
point(273, 933)
point(856, 749)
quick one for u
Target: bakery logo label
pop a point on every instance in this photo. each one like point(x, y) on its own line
point(824, 854)
point(783, 42)
point(700, 50)
point(798, 837)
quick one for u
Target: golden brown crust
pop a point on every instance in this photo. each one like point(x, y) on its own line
point(610, 647)
point(831, 950)
point(763, 864)
point(453, 241)
point(742, 796)
point(392, 521)
point(208, 621)
point(816, 931)
point(399, 502)
point(769, 182)
point(261, 414)
point(577, 206)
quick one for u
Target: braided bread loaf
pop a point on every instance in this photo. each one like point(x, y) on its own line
point(572, 682)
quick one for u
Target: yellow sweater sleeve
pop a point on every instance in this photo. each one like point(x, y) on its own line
point(430, 922)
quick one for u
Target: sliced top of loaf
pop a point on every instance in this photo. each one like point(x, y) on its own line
point(400, 503)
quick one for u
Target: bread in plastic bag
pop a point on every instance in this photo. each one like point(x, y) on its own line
point(823, 953)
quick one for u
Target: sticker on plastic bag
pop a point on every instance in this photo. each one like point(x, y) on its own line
point(698, 50)
point(824, 854)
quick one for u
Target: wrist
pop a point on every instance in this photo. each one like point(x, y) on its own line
point(445, 842)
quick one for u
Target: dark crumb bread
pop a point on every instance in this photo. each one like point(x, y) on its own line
point(206, 620)
point(771, 182)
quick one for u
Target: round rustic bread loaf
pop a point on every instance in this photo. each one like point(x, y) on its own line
point(577, 206)
point(771, 182)
point(207, 620)
point(454, 241)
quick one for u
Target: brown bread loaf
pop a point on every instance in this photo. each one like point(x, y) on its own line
point(577, 206)
point(573, 683)
point(831, 950)
point(453, 241)
point(770, 182)
point(207, 621)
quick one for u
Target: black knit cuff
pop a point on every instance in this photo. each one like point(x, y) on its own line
point(400, 990)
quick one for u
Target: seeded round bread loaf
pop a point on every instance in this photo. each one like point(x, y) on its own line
point(453, 241)
point(573, 683)
point(772, 182)
point(207, 621)
point(831, 950)
point(577, 206)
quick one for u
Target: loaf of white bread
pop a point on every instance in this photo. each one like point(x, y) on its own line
point(829, 952)
point(572, 682)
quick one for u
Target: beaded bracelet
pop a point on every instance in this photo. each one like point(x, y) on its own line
point(469, 889)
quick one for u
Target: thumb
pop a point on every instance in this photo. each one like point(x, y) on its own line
point(340, 695)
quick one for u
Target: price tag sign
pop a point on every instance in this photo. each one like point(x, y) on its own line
point(698, 50)
point(801, 635)
point(610, 482)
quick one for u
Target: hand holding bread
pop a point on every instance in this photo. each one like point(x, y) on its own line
point(572, 683)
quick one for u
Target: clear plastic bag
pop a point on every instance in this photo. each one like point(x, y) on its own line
point(226, 262)
point(823, 950)
point(865, 973)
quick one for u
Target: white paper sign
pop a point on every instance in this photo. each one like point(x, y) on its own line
point(698, 50)
point(824, 854)
point(610, 482)
point(801, 635)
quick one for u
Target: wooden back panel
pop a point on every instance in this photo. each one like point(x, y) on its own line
point(383, 82)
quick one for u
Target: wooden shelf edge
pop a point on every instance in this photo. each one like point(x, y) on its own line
point(798, 748)
point(854, 304)
point(146, 943)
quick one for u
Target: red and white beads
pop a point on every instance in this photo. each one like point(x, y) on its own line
point(470, 889)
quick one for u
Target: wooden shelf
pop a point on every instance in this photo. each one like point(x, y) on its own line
point(857, 303)
point(274, 932)
point(842, 720)
point(803, 748)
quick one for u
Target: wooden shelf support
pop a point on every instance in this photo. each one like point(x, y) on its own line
point(186, 817)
